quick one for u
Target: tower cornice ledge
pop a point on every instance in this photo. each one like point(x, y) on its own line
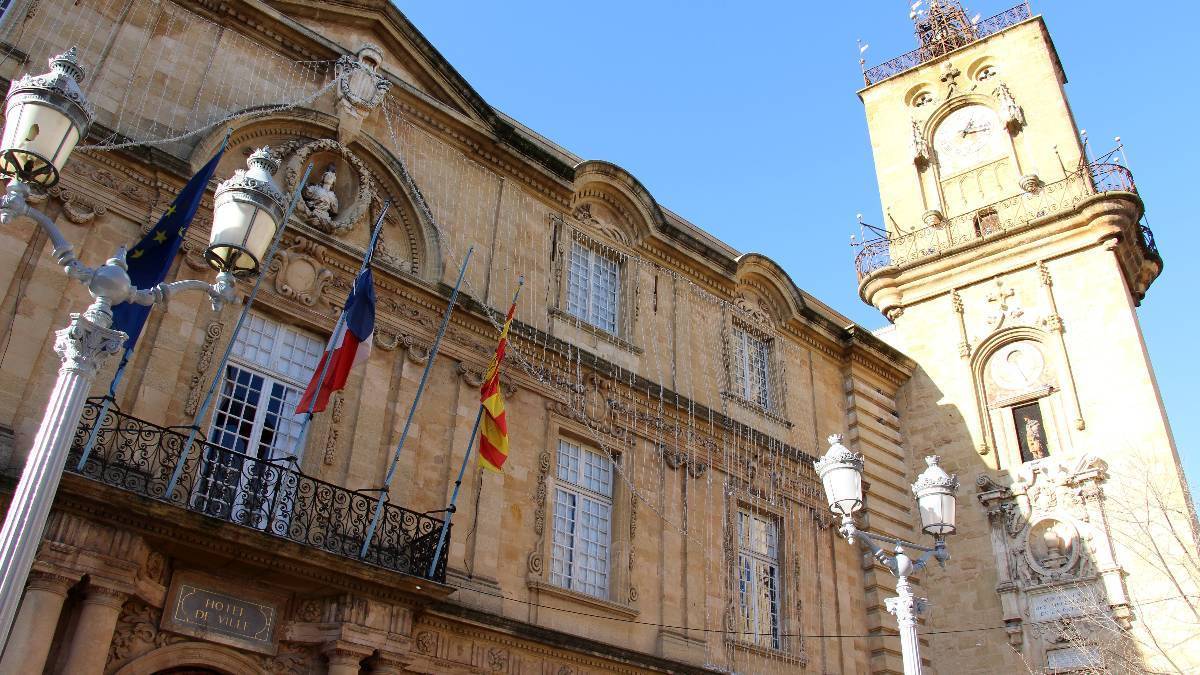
point(1111, 219)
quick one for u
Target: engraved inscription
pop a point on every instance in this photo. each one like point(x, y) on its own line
point(1062, 603)
point(214, 612)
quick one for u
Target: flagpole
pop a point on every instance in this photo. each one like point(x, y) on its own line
point(370, 252)
point(117, 376)
point(462, 470)
point(433, 351)
point(212, 388)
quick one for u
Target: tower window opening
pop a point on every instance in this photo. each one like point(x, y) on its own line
point(986, 222)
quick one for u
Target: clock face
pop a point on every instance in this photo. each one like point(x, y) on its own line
point(967, 138)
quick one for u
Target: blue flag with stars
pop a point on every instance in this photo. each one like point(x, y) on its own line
point(150, 260)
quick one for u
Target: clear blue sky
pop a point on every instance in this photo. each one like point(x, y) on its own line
point(675, 90)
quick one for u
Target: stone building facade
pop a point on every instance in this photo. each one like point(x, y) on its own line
point(666, 394)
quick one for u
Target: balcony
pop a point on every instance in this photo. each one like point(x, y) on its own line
point(947, 44)
point(269, 496)
point(900, 249)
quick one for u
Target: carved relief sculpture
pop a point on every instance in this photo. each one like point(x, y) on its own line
point(321, 207)
point(920, 146)
point(360, 90)
point(1010, 113)
point(1052, 560)
point(1033, 438)
point(1006, 306)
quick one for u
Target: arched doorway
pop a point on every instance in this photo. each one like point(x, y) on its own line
point(191, 658)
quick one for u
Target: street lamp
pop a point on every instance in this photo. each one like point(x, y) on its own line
point(246, 212)
point(841, 474)
point(46, 116)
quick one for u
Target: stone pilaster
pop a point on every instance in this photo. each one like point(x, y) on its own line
point(29, 643)
point(88, 650)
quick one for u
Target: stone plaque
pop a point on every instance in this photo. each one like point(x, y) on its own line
point(1070, 658)
point(1062, 603)
point(215, 610)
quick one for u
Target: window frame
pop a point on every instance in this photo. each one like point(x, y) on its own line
point(574, 575)
point(588, 295)
point(750, 633)
point(271, 376)
point(742, 338)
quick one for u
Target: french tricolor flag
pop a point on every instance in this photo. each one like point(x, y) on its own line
point(349, 346)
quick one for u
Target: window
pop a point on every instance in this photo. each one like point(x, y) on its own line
point(582, 520)
point(1031, 431)
point(593, 285)
point(986, 222)
point(751, 367)
point(270, 366)
point(758, 579)
point(268, 370)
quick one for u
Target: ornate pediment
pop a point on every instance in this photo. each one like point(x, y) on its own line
point(400, 49)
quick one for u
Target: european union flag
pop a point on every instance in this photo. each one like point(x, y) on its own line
point(150, 260)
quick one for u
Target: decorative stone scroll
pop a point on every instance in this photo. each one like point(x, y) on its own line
point(335, 423)
point(212, 334)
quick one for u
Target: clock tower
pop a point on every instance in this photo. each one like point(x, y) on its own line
point(1011, 264)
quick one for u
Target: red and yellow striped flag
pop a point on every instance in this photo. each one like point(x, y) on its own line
point(493, 438)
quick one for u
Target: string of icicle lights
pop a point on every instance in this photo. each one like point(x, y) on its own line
point(661, 411)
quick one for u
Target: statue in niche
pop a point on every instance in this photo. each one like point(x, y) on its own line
point(1033, 438)
point(1031, 431)
point(320, 199)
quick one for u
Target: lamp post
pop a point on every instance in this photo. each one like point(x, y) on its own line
point(841, 475)
point(46, 115)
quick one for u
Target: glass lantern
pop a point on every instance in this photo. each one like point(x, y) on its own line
point(841, 474)
point(935, 491)
point(247, 211)
point(45, 117)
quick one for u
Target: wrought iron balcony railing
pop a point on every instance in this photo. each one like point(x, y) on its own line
point(978, 31)
point(268, 496)
point(993, 220)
